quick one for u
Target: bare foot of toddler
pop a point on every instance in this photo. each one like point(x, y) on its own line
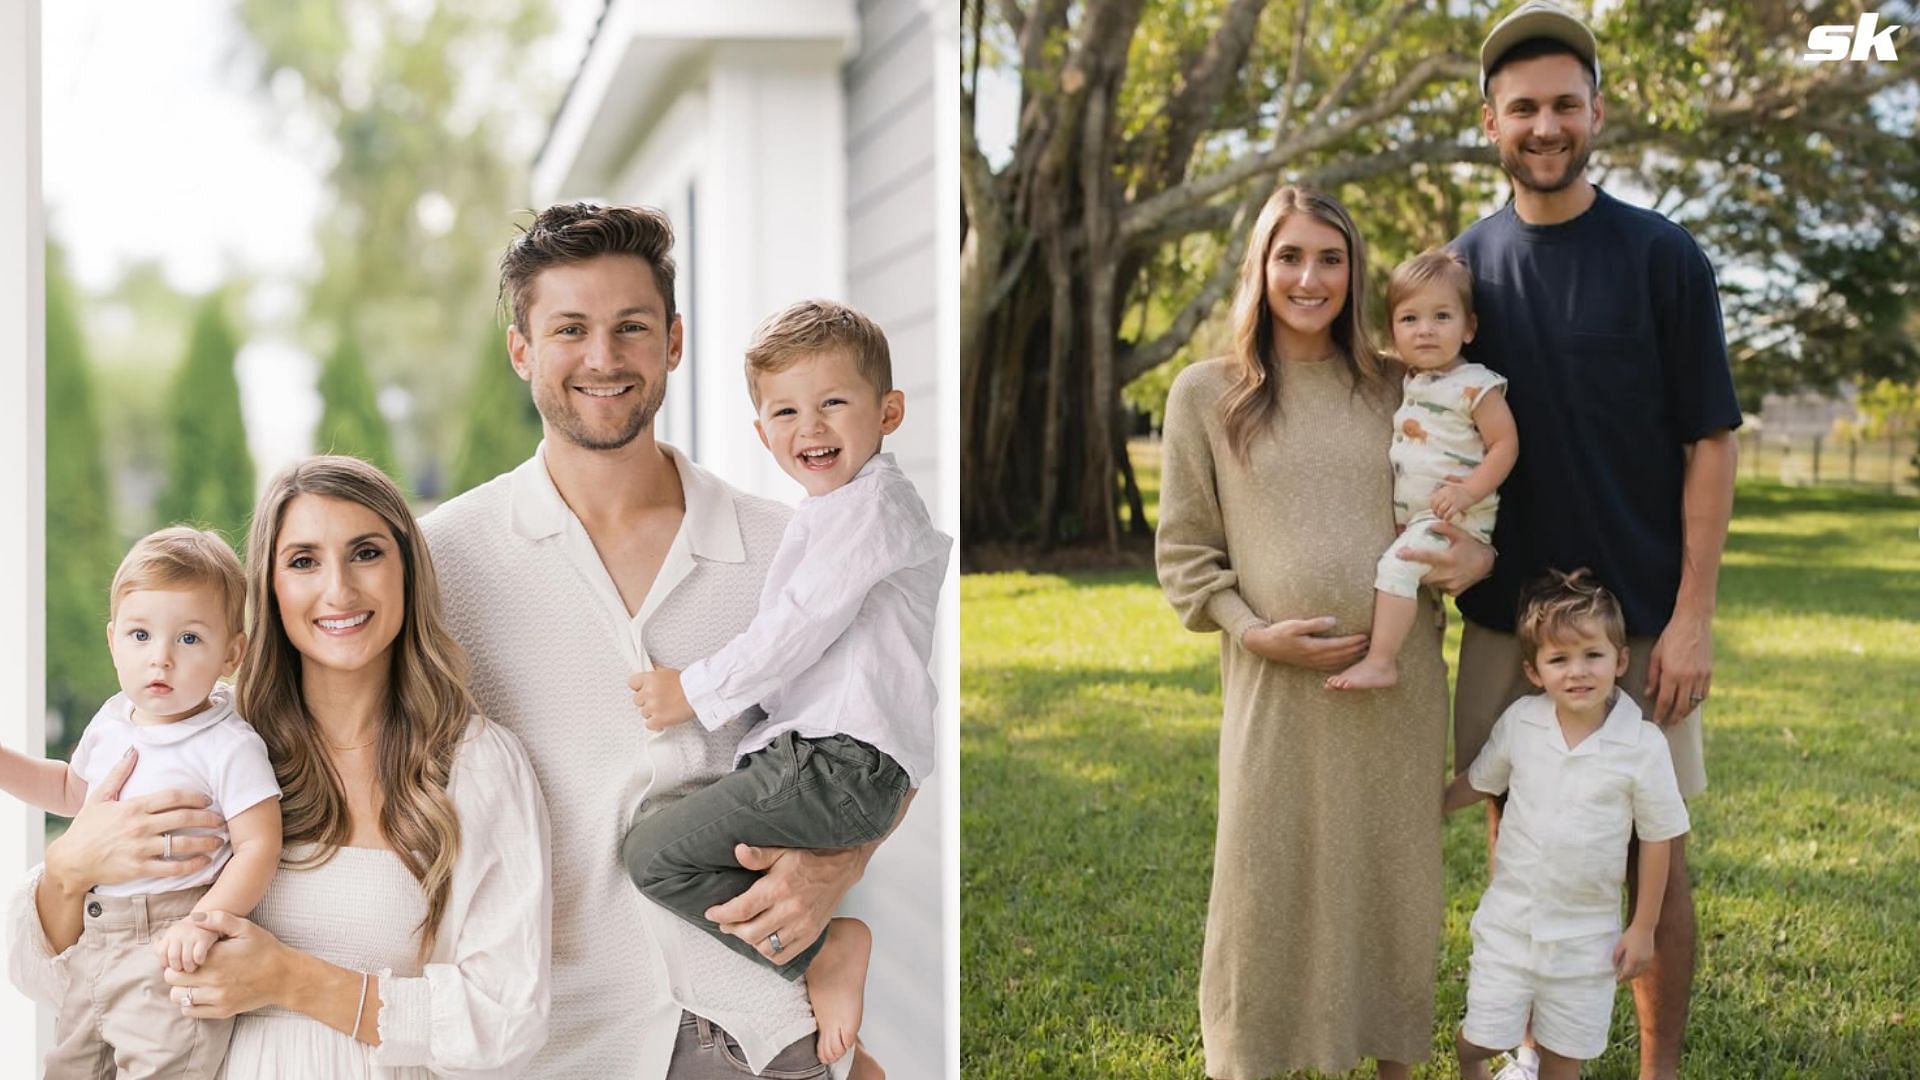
point(1368, 674)
point(837, 986)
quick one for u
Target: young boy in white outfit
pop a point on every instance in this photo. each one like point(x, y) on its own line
point(1453, 445)
point(176, 608)
point(1581, 769)
point(837, 656)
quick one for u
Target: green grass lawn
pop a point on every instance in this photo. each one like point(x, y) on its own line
point(1089, 737)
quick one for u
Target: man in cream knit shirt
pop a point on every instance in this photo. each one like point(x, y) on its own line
point(603, 554)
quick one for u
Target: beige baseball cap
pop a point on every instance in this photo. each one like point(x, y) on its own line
point(1539, 19)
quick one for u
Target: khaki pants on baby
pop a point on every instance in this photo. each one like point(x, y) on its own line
point(117, 1020)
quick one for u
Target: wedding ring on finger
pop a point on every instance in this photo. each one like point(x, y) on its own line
point(773, 939)
point(186, 997)
point(1696, 698)
point(166, 845)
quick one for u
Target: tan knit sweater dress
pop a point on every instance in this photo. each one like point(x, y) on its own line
point(1323, 927)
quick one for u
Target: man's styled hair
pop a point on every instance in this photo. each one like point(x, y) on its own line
point(1440, 266)
point(812, 327)
point(575, 232)
point(1558, 606)
point(182, 558)
point(1534, 49)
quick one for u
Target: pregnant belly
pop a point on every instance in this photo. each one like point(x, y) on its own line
point(1317, 575)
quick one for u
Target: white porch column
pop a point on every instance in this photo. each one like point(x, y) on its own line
point(772, 226)
point(946, 22)
point(23, 696)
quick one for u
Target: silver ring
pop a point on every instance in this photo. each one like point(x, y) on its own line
point(186, 997)
point(774, 940)
point(166, 845)
point(1697, 698)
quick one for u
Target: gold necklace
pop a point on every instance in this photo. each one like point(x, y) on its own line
point(346, 749)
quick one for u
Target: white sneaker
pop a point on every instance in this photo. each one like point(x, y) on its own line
point(1515, 1069)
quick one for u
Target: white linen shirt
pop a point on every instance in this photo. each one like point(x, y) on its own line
point(1562, 855)
point(845, 628)
point(213, 752)
point(552, 645)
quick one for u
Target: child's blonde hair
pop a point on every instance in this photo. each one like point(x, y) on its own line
point(811, 327)
point(1439, 266)
point(183, 558)
point(1558, 606)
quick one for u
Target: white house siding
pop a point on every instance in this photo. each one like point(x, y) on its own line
point(891, 206)
point(893, 130)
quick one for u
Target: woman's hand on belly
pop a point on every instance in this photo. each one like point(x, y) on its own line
point(1296, 642)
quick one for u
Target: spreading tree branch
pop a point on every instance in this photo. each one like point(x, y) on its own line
point(1148, 213)
point(1141, 359)
point(1337, 95)
point(1013, 14)
point(1202, 86)
point(1295, 64)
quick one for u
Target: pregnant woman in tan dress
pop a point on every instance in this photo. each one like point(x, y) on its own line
point(1323, 926)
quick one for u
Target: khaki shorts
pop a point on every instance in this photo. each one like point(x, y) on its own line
point(118, 1018)
point(1491, 679)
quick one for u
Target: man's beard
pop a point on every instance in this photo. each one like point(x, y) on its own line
point(564, 420)
point(1514, 161)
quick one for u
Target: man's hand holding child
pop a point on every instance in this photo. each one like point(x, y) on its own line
point(661, 700)
point(183, 946)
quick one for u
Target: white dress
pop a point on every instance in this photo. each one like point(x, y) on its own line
point(475, 1010)
point(359, 911)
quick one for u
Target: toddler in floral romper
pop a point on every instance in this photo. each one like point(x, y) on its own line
point(1453, 445)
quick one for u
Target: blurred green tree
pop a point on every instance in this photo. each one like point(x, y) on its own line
point(1890, 410)
point(137, 327)
point(210, 482)
point(502, 426)
point(82, 549)
point(350, 420)
point(1148, 132)
point(433, 112)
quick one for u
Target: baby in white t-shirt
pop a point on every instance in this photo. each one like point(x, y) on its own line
point(176, 609)
point(837, 656)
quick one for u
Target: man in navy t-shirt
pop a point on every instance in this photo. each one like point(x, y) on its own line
point(1605, 319)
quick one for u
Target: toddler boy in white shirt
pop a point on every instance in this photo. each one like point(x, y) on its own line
point(1582, 771)
point(837, 656)
point(176, 608)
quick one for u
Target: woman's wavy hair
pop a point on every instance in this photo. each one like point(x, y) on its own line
point(1254, 398)
point(428, 706)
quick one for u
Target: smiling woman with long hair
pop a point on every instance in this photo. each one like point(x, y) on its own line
point(427, 711)
point(408, 928)
point(1323, 924)
point(411, 916)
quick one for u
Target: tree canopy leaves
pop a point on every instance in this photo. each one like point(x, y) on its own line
point(1148, 130)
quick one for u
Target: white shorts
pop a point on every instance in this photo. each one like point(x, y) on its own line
point(1565, 987)
point(1401, 577)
